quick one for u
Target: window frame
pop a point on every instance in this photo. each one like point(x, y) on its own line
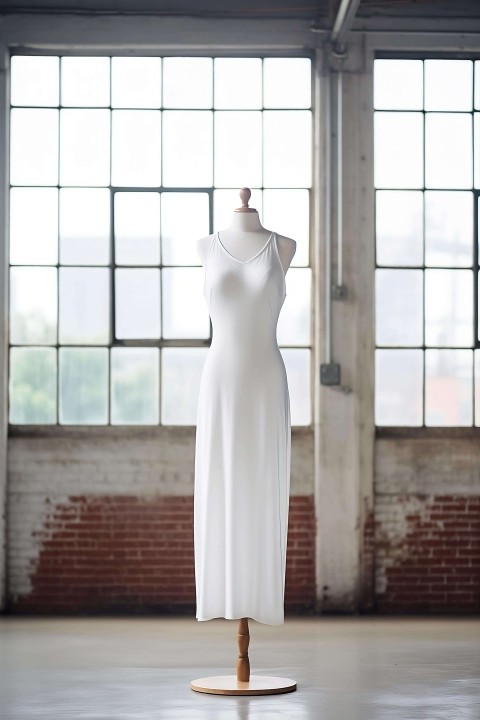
point(384, 54)
point(161, 342)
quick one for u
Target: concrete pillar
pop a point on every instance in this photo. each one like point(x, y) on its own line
point(344, 422)
point(4, 203)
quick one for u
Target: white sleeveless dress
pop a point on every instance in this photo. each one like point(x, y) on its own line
point(243, 442)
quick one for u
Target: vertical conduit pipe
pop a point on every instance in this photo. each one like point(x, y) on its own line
point(339, 181)
point(328, 233)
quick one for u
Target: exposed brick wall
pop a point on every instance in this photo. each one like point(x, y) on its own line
point(367, 560)
point(131, 554)
point(427, 553)
point(103, 522)
point(300, 568)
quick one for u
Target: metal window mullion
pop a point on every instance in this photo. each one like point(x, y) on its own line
point(160, 238)
point(424, 352)
point(57, 351)
point(475, 247)
point(111, 264)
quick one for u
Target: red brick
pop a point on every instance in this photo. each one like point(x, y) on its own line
point(132, 553)
point(442, 581)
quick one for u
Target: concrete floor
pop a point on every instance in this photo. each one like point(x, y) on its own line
point(139, 668)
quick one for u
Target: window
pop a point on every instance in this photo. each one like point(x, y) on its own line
point(427, 185)
point(118, 164)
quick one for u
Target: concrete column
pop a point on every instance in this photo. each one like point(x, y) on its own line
point(344, 422)
point(4, 305)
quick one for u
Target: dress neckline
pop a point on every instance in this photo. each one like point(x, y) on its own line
point(244, 262)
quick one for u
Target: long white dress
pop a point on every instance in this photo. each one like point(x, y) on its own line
point(243, 441)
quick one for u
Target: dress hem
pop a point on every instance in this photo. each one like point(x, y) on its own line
point(239, 617)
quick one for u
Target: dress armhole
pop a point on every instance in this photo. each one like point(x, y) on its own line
point(281, 265)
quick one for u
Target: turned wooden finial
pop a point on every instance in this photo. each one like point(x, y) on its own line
point(245, 194)
point(243, 662)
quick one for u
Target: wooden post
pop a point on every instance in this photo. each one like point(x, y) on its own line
point(243, 683)
point(243, 662)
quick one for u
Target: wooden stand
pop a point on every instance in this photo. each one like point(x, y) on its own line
point(243, 683)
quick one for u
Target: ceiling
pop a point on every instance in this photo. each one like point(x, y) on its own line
point(320, 10)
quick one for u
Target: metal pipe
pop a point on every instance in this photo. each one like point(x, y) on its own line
point(328, 234)
point(342, 24)
point(339, 180)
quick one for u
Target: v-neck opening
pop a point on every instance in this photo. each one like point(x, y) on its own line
point(244, 262)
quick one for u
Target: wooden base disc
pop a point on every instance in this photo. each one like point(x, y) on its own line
point(257, 685)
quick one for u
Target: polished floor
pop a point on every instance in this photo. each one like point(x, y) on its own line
point(346, 668)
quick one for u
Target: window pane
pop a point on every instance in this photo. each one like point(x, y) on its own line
point(448, 389)
point(185, 313)
point(294, 321)
point(187, 148)
point(477, 85)
point(287, 148)
point(83, 385)
point(136, 82)
point(225, 202)
point(398, 387)
point(137, 228)
point(33, 226)
point(33, 305)
point(34, 80)
point(84, 306)
point(185, 218)
point(287, 82)
point(32, 385)
point(297, 365)
point(187, 82)
point(135, 386)
point(33, 146)
point(84, 226)
point(136, 147)
point(85, 147)
point(231, 90)
point(85, 81)
point(238, 148)
point(448, 84)
point(449, 228)
point(399, 227)
point(288, 212)
point(137, 303)
point(478, 296)
point(449, 307)
point(398, 149)
point(399, 307)
point(448, 150)
point(476, 134)
point(181, 373)
point(108, 256)
point(398, 84)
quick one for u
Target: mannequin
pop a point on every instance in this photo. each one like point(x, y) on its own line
point(243, 240)
point(245, 236)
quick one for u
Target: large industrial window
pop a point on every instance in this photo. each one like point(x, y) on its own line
point(117, 166)
point(427, 185)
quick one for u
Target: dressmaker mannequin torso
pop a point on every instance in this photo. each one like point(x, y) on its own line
point(245, 236)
